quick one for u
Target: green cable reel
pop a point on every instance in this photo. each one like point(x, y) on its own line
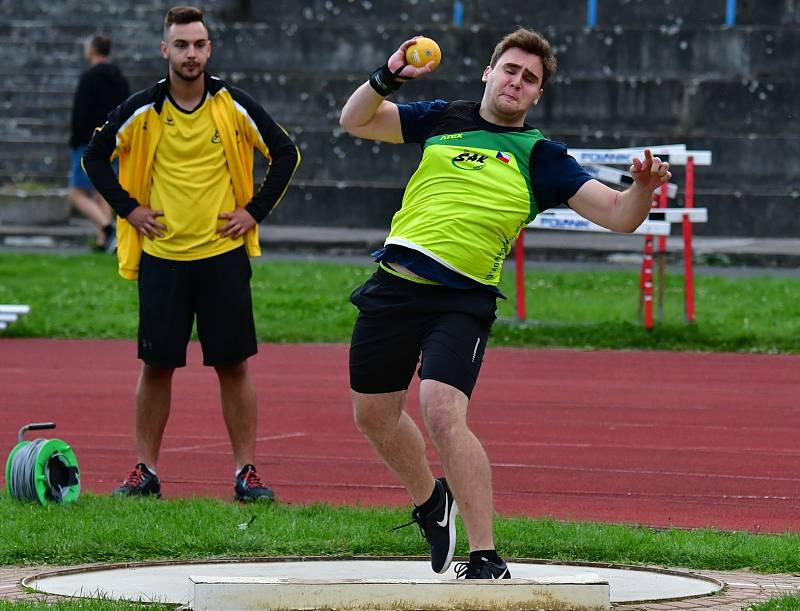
point(43, 470)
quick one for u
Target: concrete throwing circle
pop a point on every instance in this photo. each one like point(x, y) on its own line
point(169, 581)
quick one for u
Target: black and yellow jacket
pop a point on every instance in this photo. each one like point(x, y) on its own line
point(132, 133)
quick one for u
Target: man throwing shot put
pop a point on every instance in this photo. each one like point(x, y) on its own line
point(483, 176)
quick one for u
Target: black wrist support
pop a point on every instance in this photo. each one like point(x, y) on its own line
point(384, 81)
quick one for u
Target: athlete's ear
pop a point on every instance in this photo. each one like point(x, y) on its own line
point(486, 73)
point(164, 50)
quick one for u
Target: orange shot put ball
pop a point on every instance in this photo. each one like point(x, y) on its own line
point(423, 51)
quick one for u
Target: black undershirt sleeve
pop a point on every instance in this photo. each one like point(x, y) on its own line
point(555, 175)
point(417, 119)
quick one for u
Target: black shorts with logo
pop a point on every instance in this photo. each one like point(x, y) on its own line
point(215, 290)
point(399, 319)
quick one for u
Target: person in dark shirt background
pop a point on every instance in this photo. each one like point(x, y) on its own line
point(100, 90)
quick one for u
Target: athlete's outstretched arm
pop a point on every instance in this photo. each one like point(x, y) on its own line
point(622, 211)
point(367, 114)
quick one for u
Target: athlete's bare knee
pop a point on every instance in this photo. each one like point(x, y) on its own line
point(443, 424)
point(444, 409)
point(376, 414)
point(237, 370)
point(156, 374)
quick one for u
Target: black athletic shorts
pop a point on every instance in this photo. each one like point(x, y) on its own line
point(399, 319)
point(216, 290)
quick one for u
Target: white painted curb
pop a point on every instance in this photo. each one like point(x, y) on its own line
point(583, 592)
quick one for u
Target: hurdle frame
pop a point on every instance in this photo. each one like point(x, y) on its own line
point(596, 161)
point(569, 220)
point(10, 313)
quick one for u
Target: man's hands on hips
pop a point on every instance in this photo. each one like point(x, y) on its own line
point(146, 223)
point(650, 173)
point(239, 221)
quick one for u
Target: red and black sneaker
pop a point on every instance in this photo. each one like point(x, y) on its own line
point(140, 482)
point(249, 487)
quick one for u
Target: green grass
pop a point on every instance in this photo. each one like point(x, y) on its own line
point(101, 529)
point(81, 296)
point(784, 603)
point(105, 529)
point(45, 603)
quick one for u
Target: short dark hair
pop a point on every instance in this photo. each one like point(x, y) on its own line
point(532, 42)
point(183, 14)
point(101, 44)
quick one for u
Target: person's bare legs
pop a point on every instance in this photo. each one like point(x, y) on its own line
point(104, 206)
point(466, 466)
point(240, 410)
point(153, 398)
point(396, 439)
point(98, 213)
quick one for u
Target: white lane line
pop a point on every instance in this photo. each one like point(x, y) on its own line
point(226, 443)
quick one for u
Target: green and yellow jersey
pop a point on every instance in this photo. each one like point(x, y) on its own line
point(477, 185)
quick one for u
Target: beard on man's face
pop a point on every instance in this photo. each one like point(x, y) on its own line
point(192, 74)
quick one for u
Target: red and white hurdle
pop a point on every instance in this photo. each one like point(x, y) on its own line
point(597, 162)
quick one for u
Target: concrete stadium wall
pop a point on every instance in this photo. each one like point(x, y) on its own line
point(648, 73)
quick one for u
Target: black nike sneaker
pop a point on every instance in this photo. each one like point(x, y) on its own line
point(482, 568)
point(140, 482)
point(438, 526)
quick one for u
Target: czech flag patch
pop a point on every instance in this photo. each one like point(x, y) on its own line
point(504, 157)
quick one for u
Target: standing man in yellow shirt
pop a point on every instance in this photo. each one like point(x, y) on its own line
point(188, 219)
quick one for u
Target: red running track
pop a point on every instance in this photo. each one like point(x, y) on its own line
point(654, 438)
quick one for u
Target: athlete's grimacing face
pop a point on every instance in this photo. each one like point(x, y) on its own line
point(187, 49)
point(513, 86)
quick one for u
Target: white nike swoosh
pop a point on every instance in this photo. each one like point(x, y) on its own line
point(503, 574)
point(443, 523)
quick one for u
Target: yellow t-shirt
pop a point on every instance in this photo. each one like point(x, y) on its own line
point(192, 185)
